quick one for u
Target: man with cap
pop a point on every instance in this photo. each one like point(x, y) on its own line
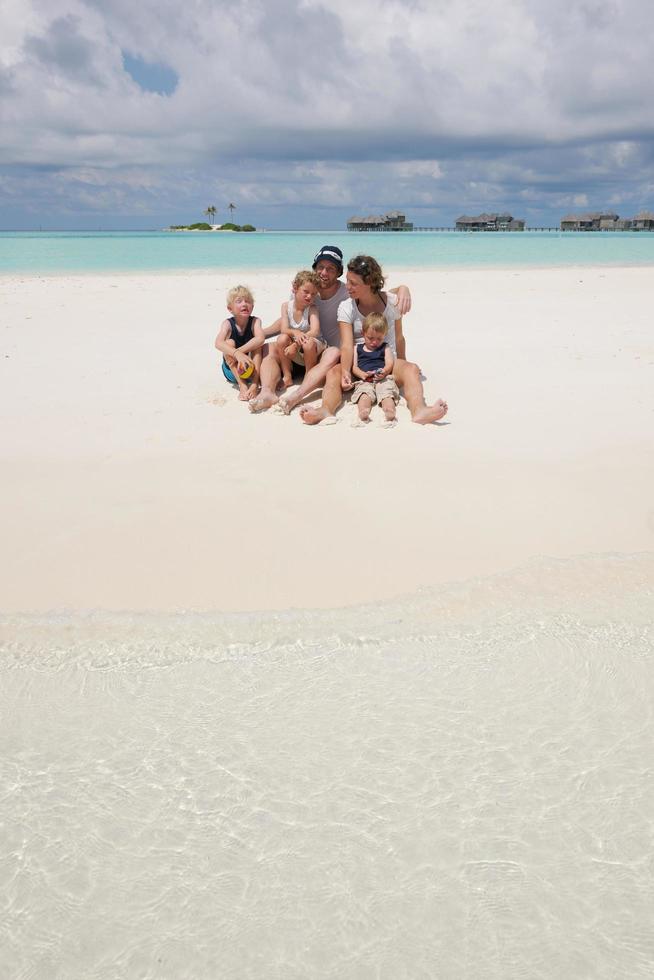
point(328, 264)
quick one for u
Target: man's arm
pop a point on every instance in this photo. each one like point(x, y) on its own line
point(273, 329)
point(403, 298)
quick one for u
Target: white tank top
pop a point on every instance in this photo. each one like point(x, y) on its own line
point(303, 324)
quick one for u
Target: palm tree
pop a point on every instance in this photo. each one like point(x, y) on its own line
point(231, 208)
point(210, 211)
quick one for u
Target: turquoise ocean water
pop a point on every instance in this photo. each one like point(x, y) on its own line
point(89, 252)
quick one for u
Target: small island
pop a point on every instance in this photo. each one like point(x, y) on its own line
point(205, 226)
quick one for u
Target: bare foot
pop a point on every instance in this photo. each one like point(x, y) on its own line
point(431, 413)
point(359, 423)
point(244, 394)
point(388, 423)
point(287, 380)
point(251, 393)
point(284, 406)
point(313, 416)
point(262, 402)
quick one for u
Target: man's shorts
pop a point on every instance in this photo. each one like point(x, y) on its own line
point(377, 391)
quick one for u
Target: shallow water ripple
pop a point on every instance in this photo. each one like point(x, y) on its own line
point(428, 795)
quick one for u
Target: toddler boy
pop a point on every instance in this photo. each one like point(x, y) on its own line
point(373, 365)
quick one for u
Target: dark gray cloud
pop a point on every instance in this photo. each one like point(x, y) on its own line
point(64, 50)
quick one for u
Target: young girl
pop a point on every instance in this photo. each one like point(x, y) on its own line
point(240, 340)
point(300, 341)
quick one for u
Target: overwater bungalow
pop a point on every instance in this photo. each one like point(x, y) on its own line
point(489, 222)
point(391, 221)
point(591, 221)
point(643, 221)
point(607, 221)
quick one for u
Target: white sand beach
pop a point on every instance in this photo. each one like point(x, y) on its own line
point(132, 478)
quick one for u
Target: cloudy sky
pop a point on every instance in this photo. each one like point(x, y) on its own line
point(124, 114)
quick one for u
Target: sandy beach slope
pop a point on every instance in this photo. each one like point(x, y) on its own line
point(132, 478)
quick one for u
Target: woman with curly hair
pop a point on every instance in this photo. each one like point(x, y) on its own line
point(365, 283)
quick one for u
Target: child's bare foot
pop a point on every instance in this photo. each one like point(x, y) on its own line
point(431, 413)
point(262, 402)
point(389, 414)
point(287, 380)
point(243, 393)
point(284, 406)
point(251, 393)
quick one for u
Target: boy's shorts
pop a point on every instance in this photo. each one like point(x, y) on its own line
point(377, 391)
point(229, 374)
point(227, 371)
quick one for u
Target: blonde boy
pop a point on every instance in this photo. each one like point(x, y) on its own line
point(299, 341)
point(240, 340)
point(373, 364)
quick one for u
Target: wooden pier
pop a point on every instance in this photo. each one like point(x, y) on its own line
point(463, 231)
